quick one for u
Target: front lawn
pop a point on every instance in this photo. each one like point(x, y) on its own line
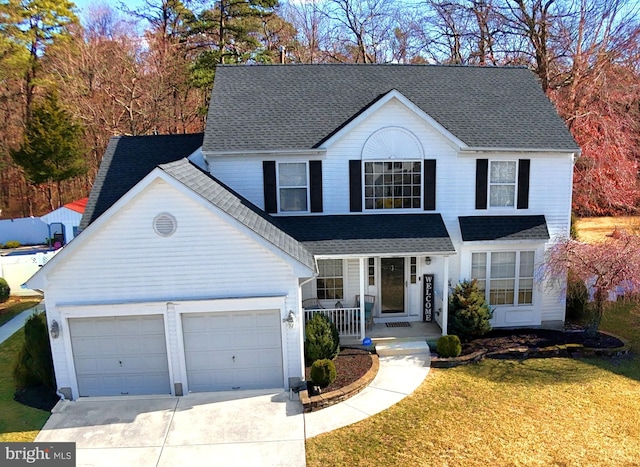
point(554, 411)
point(17, 422)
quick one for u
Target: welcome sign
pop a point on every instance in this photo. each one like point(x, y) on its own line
point(427, 302)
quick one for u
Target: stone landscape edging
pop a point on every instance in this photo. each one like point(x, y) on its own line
point(313, 403)
point(563, 350)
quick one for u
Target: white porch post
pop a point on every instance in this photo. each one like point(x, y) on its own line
point(445, 296)
point(363, 276)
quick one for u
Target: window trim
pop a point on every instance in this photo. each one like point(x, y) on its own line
point(363, 184)
point(307, 187)
point(515, 185)
point(343, 277)
point(516, 286)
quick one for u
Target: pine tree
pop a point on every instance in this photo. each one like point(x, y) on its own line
point(469, 311)
point(52, 148)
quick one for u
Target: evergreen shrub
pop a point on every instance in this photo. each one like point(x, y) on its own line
point(322, 339)
point(323, 372)
point(449, 346)
point(469, 311)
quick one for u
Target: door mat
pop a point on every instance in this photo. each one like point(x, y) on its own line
point(400, 324)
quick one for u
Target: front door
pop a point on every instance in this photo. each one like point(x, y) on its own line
point(392, 285)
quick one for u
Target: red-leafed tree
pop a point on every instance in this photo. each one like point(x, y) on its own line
point(608, 266)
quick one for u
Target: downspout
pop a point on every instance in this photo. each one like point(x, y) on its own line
point(362, 301)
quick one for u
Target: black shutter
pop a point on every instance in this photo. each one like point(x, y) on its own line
point(355, 186)
point(270, 190)
point(430, 185)
point(524, 166)
point(315, 174)
point(482, 173)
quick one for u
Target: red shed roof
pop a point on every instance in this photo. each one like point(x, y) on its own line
point(78, 205)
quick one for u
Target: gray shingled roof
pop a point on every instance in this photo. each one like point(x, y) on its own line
point(482, 228)
point(127, 160)
point(237, 207)
point(369, 234)
point(285, 107)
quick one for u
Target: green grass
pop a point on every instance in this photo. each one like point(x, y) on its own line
point(8, 312)
point(17, 422)
point(537, 412)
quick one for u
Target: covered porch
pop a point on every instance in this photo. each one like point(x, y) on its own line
point(399, 263)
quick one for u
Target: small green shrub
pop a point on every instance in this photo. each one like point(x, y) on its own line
point(12, 244)
point(323, 372)
point(449, 346)
point(34, 365)
point(322, 339)
point(469, 311)
point(5, 290)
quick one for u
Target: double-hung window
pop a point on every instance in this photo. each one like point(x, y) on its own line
point(505, 276)
point(293, 186)
point(393, 185)
point(502, 183)
point(330, 282)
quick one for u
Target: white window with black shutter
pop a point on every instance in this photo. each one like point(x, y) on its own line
point(502, 184)
point(292, 187)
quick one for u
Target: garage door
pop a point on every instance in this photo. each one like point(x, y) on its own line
point(120, 355)
point(238, 350)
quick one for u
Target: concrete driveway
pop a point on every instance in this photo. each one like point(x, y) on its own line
point(258, 428)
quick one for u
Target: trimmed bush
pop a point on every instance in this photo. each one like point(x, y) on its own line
point(12, 244)
point(323, 372)
point(322, 339)
point(5, 290)
point(34, 366)
point(449, 346)
point(469, 311)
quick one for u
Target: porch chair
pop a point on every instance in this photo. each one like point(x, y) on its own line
point(369, 301)
point(312, 304)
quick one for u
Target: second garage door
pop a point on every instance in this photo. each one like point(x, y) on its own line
point(228, 351)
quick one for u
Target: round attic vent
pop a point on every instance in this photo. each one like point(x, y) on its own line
point(164, 224)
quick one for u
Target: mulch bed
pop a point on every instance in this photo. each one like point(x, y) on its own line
point(39, 397)
point(351, 365)
point(499, 341)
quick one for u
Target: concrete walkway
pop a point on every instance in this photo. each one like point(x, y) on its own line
point(397, 377)
point(16, 323)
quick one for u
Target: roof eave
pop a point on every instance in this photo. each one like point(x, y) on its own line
point(484, 149)
point(266, 152)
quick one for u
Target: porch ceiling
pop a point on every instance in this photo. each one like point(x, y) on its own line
point(364, 234)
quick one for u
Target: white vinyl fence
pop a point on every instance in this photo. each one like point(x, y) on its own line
point(17, 269)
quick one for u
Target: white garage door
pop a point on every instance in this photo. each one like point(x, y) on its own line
point(238, 350)
point(120, 355)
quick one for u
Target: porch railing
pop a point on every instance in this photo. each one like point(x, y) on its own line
point(347, 320)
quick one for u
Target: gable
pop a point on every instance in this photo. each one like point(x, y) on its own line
point(206, 255)
point(297, 107)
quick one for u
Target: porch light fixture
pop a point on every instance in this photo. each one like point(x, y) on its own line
point(54, 330)
point(427, 260)
point(290, 319)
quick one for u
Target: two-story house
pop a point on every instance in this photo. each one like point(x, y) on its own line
point(314, 185)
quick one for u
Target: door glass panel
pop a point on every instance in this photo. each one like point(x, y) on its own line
point(392, 285)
